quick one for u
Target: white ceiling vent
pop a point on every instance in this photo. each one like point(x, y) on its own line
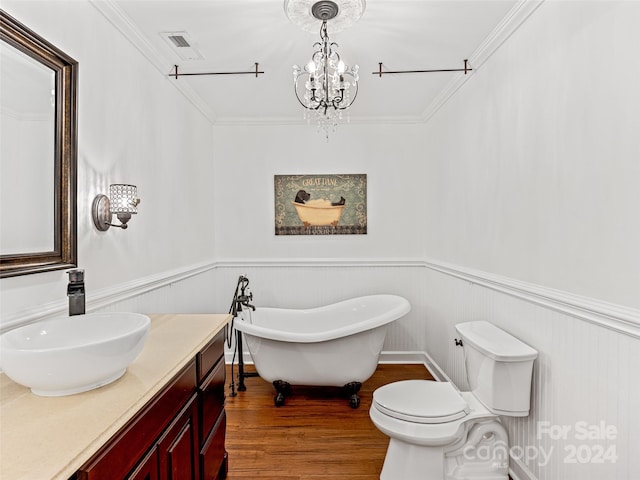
point(181, 43)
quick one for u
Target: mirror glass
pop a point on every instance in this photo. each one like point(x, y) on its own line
point(38, 152)
point(27, 129)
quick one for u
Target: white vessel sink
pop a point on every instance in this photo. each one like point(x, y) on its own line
point(68, 355)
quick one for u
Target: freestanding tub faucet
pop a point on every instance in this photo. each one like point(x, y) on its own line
point(75, 292)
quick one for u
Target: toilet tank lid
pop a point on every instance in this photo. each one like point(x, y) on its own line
point(494, 342)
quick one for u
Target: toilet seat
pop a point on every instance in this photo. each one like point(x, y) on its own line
point(421, 401)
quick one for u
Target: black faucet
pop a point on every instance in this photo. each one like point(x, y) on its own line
point(75, 292)
point(241, 297)
point(244, 298)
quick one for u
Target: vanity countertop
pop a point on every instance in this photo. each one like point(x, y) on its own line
point(51, 437)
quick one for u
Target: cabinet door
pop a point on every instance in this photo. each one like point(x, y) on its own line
point(148, 467)
point(213, 457)
point(211, 400)
point(178, 446)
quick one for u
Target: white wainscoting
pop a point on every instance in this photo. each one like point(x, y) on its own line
point(185, 290)
point(306, 284)
point(584, 376)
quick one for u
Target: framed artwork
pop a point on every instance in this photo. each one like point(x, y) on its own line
point(320, 204)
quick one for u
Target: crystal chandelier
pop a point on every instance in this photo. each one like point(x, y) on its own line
point(325, 86)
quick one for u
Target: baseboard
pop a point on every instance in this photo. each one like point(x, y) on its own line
point(386, 357)
point(229, 358)
point(435, 370)
point(391, 357)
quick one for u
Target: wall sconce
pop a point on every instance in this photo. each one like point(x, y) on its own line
point(122, 200)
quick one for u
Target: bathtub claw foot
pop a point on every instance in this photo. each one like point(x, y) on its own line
point(352, 390)
point(282, 388)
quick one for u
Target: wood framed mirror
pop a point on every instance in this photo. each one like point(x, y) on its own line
point(38, 160)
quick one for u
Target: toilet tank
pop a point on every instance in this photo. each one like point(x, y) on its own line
point(498, 367)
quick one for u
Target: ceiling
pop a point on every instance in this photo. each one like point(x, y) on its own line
point(232, 35)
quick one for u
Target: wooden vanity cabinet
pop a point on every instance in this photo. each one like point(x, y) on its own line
point(178, 435)
point(212, 417)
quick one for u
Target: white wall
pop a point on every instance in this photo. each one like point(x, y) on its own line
point(533, 176)
point(534, 164)
point(301, 271)
point(133, 127)
point(247, 158)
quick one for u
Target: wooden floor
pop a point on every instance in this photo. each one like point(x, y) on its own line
point(315, 435)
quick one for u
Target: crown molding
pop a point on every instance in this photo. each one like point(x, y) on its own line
point(318, 262)
point(122, 22)
point(299, 120)
point(507, 26)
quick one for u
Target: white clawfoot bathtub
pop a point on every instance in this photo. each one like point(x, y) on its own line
point(335, 345)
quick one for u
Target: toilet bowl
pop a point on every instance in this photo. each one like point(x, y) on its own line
point(439, 433)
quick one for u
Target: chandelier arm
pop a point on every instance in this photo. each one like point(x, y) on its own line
point(313, 96)
point(337, 101)
point(345, 107)
point(295, 90)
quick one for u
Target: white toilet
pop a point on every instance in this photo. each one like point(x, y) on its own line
point(439, 433)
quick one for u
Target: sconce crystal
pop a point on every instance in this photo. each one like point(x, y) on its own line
point(122, 201)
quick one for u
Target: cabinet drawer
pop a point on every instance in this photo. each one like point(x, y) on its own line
point(210, 355)
point(211, 399)
point(212, 453)
point(119, 456)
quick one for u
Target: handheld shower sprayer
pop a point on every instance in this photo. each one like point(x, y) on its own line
point(244, 298)
point(241, 301)
point(241, 297)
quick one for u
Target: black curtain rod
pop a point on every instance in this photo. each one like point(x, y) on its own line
point(176, 74)
point(380, 72)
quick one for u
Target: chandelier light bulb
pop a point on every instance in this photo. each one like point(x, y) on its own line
point(311, 67)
